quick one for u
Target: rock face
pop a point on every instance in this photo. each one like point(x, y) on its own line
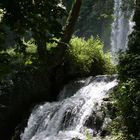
point(100, 120)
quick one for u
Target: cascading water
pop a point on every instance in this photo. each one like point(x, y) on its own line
point(77, 112)
point(122, 26)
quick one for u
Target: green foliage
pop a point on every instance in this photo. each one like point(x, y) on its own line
point(88, 135)
point(119, 136)
point(32, 15)
point(84, 57)
point(82, 53)
point(11, 60)
point(40, 20)
point(88, 57)
point(5, 67)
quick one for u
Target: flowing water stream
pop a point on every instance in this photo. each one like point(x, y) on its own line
point(77, 111)
point(122, 26)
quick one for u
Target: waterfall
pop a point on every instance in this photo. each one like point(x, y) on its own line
point(122, 26)
point(78, 112)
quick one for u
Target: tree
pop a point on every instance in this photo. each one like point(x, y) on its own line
point(40, 18)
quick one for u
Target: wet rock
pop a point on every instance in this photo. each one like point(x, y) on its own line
point(104, 133)
point(67, 119)
point(75, 139)
point(95, 122)
point(106, 99)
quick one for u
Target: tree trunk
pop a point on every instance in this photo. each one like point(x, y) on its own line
point(69, 28)
point(60, 50)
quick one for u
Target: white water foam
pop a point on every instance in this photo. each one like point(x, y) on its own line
point(65, 119)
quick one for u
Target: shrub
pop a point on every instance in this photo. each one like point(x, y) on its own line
point(88, 57)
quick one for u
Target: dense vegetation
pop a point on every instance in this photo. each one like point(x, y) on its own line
point(128, 93)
